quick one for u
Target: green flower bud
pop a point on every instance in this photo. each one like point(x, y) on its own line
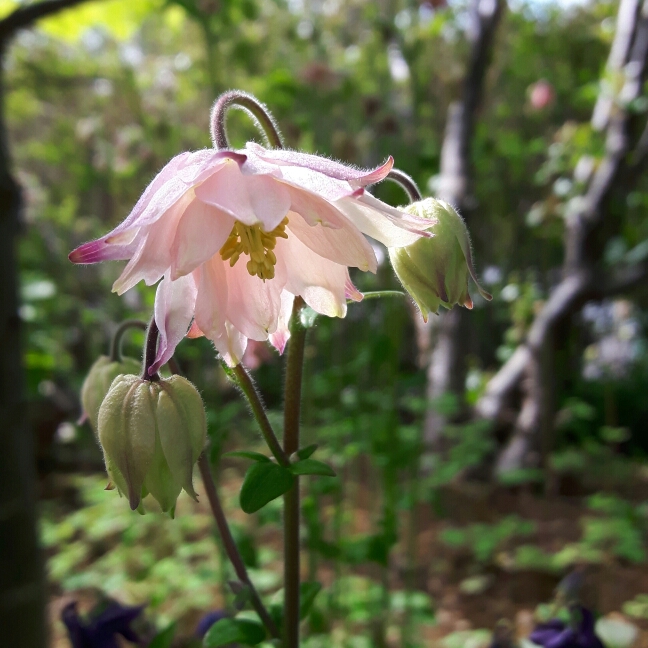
point(152, 433)
point(435, 270)
point(98, 381)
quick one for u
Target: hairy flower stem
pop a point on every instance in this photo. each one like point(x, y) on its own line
point(115, 345)
point(259, 113)
point(150, 351)
point(247, 386)
point(231, 549)
point(292, 406)
point(407, 183)
point(226, 535)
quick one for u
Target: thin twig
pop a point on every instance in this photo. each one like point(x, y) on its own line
point(26, 15)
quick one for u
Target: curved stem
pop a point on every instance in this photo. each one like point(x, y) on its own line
point(247, 386)
point(230, 546)
point(115, 345)
point(407, 183)
point(259, 113)
point(150, 351)
point(292, 409)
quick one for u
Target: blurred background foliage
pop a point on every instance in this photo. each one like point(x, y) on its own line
point(406, 543)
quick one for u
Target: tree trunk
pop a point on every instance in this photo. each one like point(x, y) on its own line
point(529, 370)
point(22, 584)
point(446, 369)
point(22, 594)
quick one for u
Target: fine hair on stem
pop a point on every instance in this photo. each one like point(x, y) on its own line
point(407, 183)
point(258, 112)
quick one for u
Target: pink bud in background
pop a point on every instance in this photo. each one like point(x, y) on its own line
point(541, 95)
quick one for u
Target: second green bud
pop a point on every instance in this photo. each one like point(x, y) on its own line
point(152, 433)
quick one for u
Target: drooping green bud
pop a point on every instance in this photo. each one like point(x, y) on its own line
point(435, 270)
point(98, 381)
point(152, 433)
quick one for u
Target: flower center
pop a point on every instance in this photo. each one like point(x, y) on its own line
point(257, 244)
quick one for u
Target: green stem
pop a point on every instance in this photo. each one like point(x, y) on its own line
point(407, 183)
point(260, 114)
point(150, 351)
point(378, 294)
point(115, 345)
point(242, 378)
point(230, 546)
point(292, 407)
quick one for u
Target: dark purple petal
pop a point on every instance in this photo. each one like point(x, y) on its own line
point(70, 618)
point(102, 629)
point(208, 621)
point(586, 636)
point(116, 619)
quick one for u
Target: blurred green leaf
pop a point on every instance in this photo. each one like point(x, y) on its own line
point(312, 467)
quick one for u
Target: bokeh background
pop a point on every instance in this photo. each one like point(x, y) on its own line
point(480, 456)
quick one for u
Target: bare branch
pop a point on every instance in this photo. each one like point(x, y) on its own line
point(25, 16)
point(455, 152)
point(446, 369)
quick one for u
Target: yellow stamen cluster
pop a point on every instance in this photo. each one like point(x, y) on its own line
point(257, 244)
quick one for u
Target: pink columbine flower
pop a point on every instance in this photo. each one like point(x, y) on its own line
point(236, 235)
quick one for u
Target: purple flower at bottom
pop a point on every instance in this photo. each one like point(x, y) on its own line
point(558, 634)
point(101, 630)
point(207, 621)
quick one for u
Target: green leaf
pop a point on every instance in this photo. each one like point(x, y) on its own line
point(245, 454)
point(165, 638)
point(263, 483)
point(227, 631)
point(307, 593)
point(312, 467)
point(305, 453)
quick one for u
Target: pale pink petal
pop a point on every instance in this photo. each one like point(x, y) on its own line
point(327, 187)
point(226, 190)
point(351, 292)
point(174, 307)
point(163, 177)
point(253, 304)
point(280, 337)
point(194, 331)
point(162, 193)
point(153, 256)
point(231, 345)
point(201, 164)
point(386, 224)
point(270, 199)
point(331, 168)
point(211, 301)
point(201, 233)
point(313, 208)
point(345, 246)
point(319, 281)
